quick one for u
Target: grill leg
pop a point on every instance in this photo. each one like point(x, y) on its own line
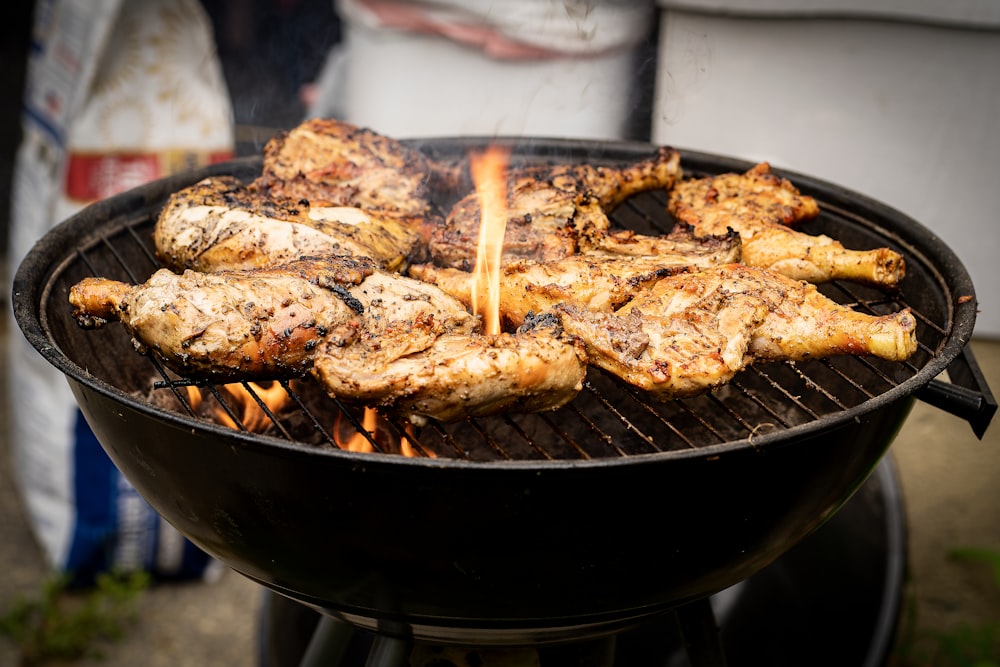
point(329, 643)
point(700, 632)
point(388, 651)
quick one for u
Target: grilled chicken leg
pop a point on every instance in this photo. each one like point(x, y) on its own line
point(219, 223)
point(692, 332)
point(549, 206)
point(759, 206)
point(233, 325)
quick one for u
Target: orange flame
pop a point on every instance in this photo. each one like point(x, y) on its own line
point(352, 440)
point(489, 173)
point(251, 415)
point(255, 419)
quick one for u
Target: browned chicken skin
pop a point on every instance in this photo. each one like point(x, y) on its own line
point(760, 206)
point(693, 332)
point(231, 325)
point(336, 163)
point(457, 375)
point(549, 207)
point(394, 342)
point(219, 223)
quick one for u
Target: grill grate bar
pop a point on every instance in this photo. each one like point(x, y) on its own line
point(622, 418)
point(580, 451)
point(609, 441)
point(752, 396)
point(316, 425)
point(507, 419)
point(489, 439)
point(778, 387)
point(447, 439)
point(817, 386)
point(633, 393)
point(726, 409)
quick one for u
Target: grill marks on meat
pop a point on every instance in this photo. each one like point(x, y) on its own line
point(759, 206)
point(219, 223)
point(549, 207)
point(230, 325)
point(690, 333)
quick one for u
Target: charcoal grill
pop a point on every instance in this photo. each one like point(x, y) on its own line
point(522, 528)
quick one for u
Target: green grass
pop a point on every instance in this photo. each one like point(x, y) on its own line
point(62, 624)
point(965, 645)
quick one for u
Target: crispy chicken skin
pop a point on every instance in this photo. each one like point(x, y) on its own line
point(232, 325)
point(549, 206)
point(334, 163)
point(760, 206)
point(693, 332)
point(457, 375)
point(219, 223)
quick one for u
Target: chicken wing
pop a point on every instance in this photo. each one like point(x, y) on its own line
point(219, 223)
point(692, 332)
point(759, 206)
point(231, 325)
point(549, 206)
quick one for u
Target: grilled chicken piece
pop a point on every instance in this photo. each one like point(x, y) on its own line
point(419, 354)
point(693, 332)
point(335, 163)
point(219, 223)
point(759, 206)
point(457, 375)
point(231, 325)
point(549, 206)
point(758, 188)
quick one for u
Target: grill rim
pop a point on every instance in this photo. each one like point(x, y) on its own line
point(32, 285)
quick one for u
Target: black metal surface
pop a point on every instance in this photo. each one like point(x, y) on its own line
point(523, 528)
point(834, 599)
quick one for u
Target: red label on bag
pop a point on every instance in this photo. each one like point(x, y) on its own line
point(90, 177)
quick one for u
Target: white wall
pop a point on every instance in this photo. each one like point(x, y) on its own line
point(905, 112)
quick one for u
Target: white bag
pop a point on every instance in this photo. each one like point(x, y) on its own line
point(118, 94)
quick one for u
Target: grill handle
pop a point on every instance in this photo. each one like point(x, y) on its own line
point(966, 396)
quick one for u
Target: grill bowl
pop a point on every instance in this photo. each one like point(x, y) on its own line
point(527, 549)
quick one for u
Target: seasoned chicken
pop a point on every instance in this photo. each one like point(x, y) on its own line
point(329, 162)
point(218, 223)
point(231, 325)
point(595, 282)
point(692, 332)
point(456, 375)
point(759, 206)
point(419, 354)
point(758, 188)
point(548, 207)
